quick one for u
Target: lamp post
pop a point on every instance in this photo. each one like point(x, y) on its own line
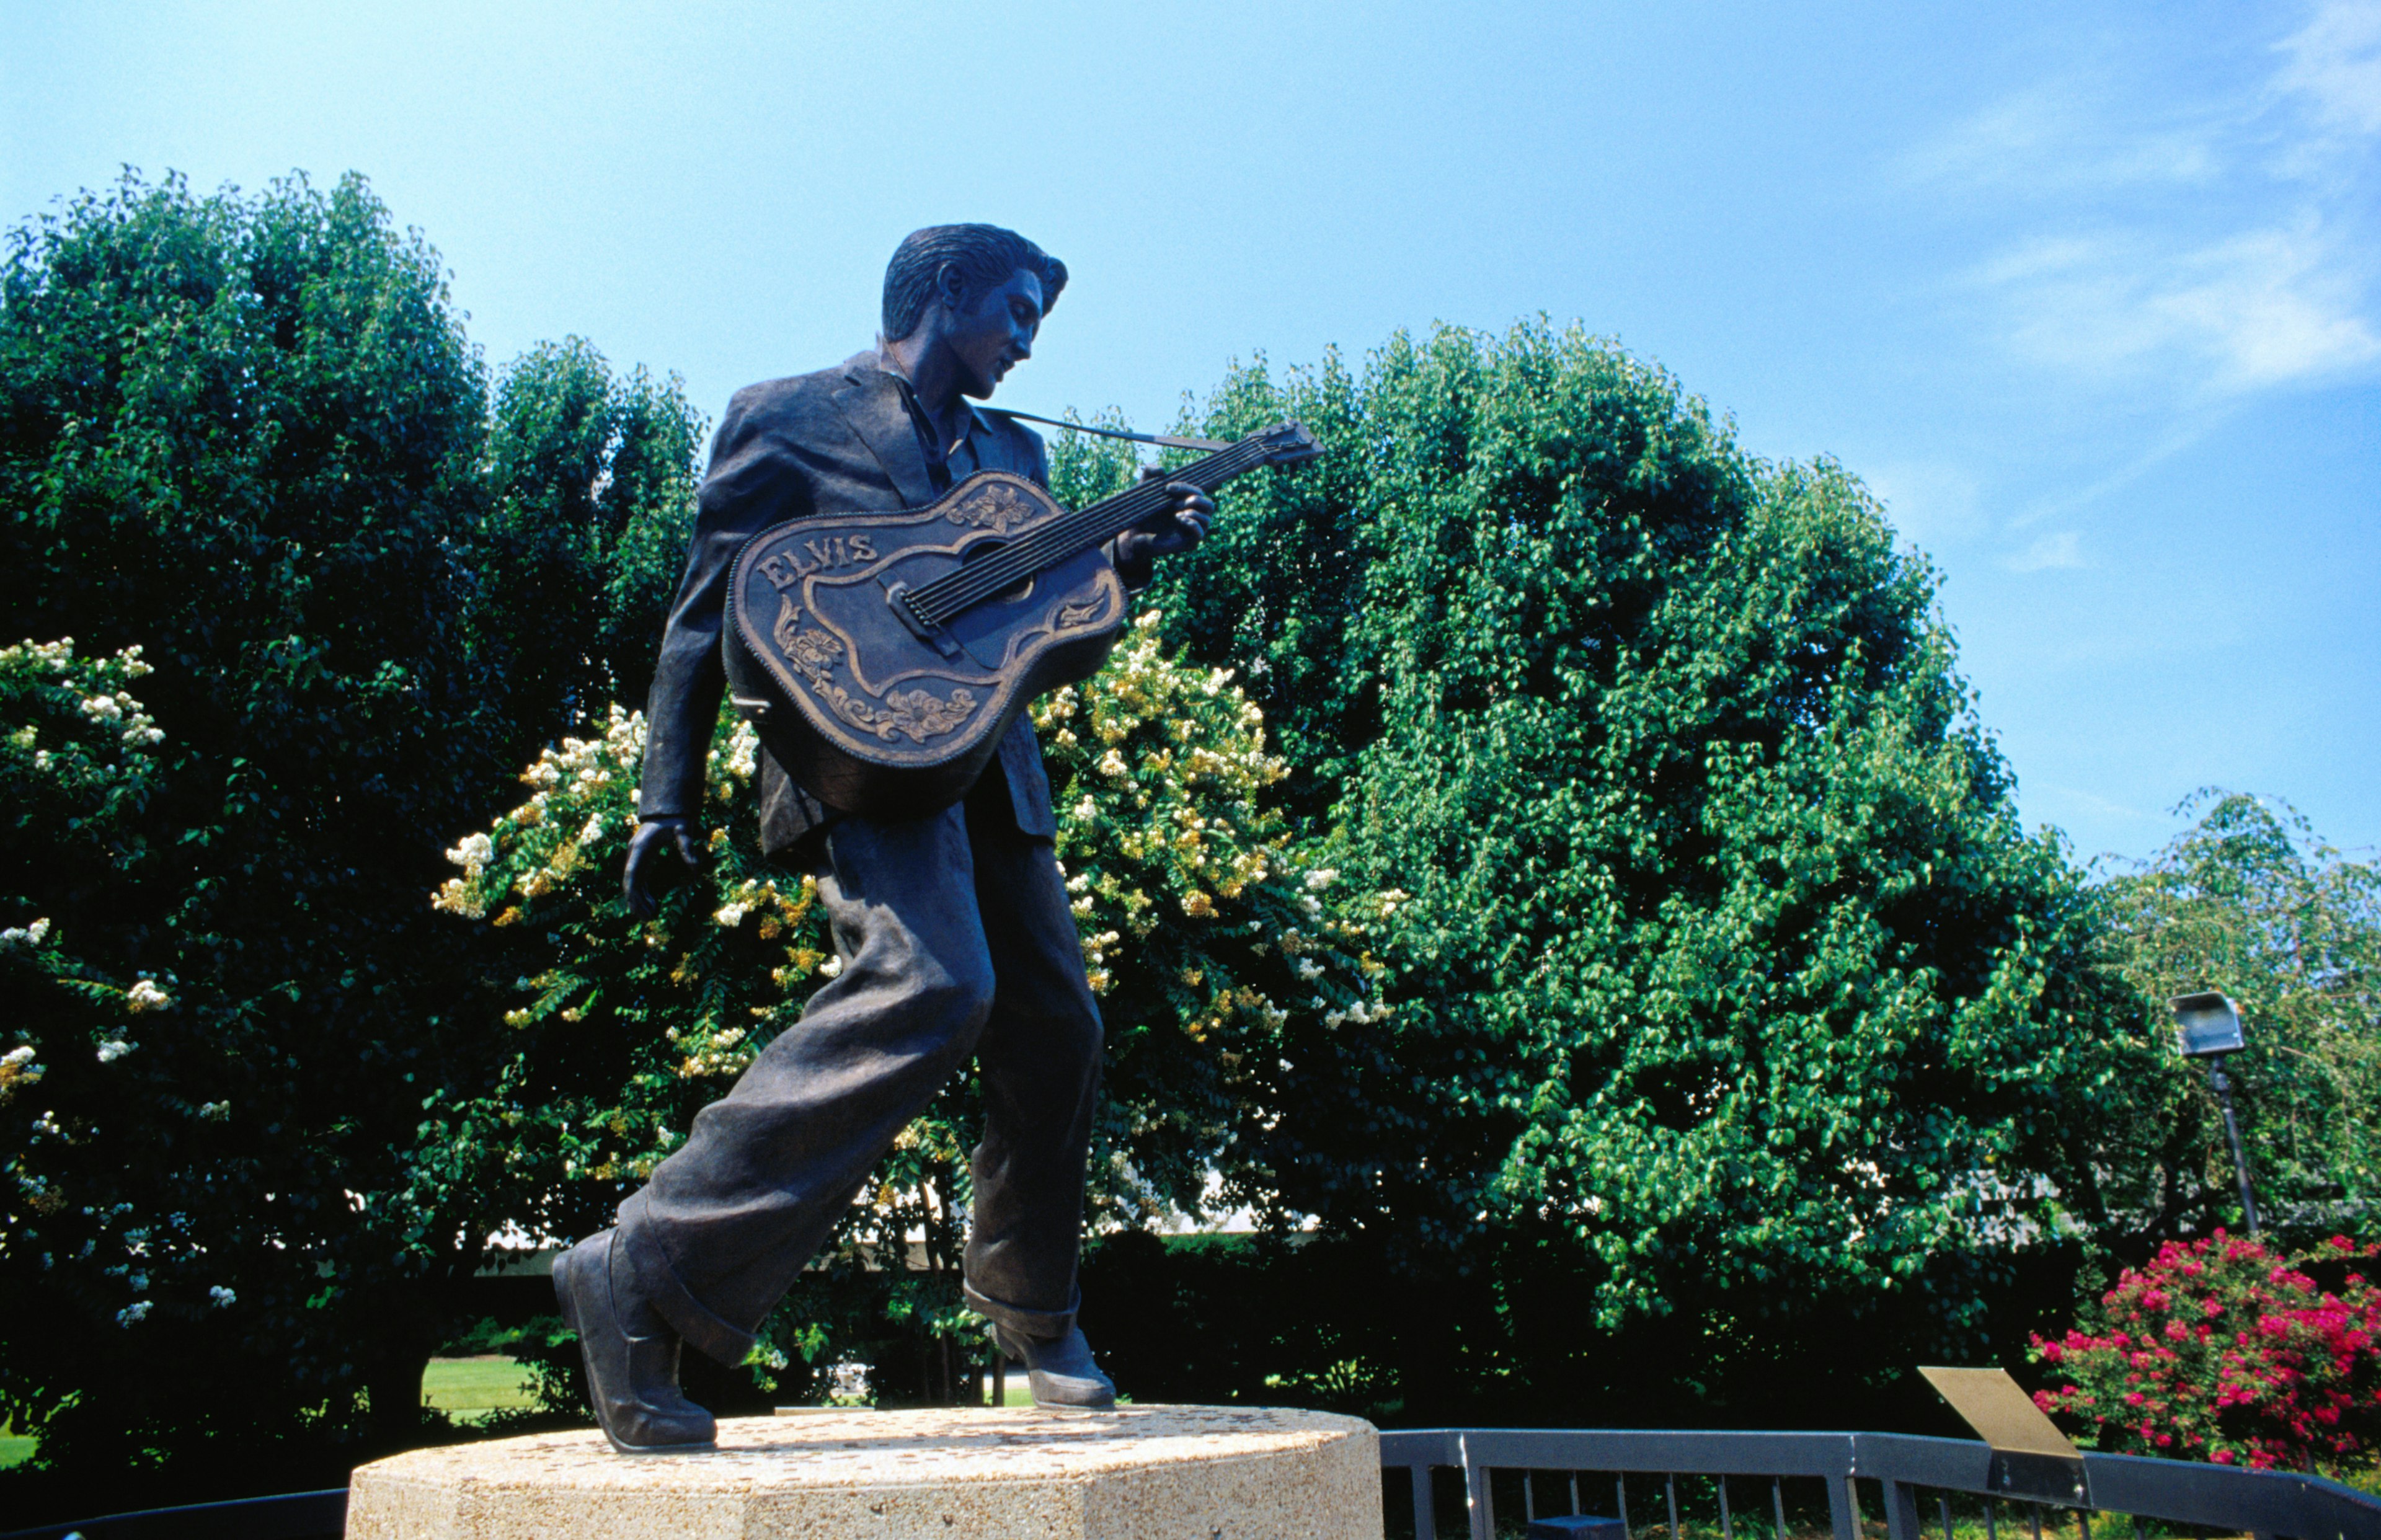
point(2208, 1026)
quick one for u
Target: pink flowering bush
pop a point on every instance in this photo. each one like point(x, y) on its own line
point(2226, 1352)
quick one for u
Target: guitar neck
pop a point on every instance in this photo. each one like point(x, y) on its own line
point(937, 602)
point(1110, 517)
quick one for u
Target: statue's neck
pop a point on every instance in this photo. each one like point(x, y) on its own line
point(933, 379)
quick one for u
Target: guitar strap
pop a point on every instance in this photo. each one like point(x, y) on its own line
point(1168, 440)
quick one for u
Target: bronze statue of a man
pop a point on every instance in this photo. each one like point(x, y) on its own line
point(953, 929)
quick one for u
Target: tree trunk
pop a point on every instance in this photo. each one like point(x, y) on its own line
point(392, 1384)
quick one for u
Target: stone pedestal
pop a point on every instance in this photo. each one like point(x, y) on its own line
point(1137, 1473)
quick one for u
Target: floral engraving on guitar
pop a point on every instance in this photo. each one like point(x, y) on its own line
point(1071, 615)
point(914, 713)
point(813, 653)
point(998, 508)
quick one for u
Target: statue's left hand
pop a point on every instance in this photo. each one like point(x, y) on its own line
point(642, 881)
point(1178, 526)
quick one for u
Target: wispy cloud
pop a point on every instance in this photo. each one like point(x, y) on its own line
point(2263, 308)
point(2051, 552)
point(2334, 61)
point(2181, 432)
point(2066, 136)
point(2220, 245)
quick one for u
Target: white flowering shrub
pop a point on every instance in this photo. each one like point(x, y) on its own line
point(78, 762)
point(77, 744)
point(1219, 947)
point(1215, 944)
point(623, 1028)
point(77, 766)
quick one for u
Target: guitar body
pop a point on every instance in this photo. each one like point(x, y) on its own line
point(871, 712)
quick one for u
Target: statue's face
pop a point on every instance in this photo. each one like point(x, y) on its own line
point(992, 331)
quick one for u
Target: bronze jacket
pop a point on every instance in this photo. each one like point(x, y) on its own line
point(838, 441)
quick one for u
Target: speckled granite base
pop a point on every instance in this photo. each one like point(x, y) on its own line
point(1139, 1473)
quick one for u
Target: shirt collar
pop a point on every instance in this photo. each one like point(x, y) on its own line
point(974, 424)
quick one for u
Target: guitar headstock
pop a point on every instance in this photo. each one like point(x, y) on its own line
point(1288, 443)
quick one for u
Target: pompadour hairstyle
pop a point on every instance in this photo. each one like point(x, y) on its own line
point(986, 254)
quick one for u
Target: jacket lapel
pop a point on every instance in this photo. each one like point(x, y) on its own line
point(871, 402)
point(996, 450)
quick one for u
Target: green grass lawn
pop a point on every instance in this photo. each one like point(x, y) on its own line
point(15, 1447)
point(467, 1389)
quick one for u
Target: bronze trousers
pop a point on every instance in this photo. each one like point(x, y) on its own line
point(955, 939)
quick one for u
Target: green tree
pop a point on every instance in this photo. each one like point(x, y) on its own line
point(247, 437)
point(1741, 1023)
point(236, 433)
point(586, 536)
point(2251, 902)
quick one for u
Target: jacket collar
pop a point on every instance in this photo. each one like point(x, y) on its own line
point(871, 402)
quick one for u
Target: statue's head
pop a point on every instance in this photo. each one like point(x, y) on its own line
point(978, 289)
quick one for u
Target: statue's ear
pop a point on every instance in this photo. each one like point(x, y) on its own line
point(950, 284)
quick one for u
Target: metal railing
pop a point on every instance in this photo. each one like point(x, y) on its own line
point(1565, 1472)
point(292, 1516)
point(1914, 1479)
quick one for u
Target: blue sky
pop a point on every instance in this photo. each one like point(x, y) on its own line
point(2086, 292)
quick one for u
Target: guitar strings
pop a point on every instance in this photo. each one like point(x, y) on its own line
point(952, 594)
point(1063, 537)
point(1075, 531)
point(1004, 569)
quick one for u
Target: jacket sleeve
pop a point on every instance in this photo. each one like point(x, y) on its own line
point(753, 482)
point(1021, 751)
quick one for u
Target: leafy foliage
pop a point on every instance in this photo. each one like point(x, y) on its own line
point(1731, 985)
point(2225, 1350)
point(244, 444)
point(588, 528)
point(2251, 903)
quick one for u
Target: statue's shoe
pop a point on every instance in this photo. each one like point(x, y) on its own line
point(632, 1358)
point(1061, 1369)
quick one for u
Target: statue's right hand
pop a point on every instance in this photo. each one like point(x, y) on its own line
point(641, 883)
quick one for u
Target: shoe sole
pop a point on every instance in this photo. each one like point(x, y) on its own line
point(586, 1362)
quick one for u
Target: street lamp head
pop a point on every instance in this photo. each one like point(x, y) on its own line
point(2206, 1026)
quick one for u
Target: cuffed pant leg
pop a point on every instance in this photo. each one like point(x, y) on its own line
point(1039, 1061)
point(728, 1221)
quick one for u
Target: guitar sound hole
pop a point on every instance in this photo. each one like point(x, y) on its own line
point(982, 550)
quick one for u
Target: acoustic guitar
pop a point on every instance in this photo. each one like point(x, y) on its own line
point(881, 657)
